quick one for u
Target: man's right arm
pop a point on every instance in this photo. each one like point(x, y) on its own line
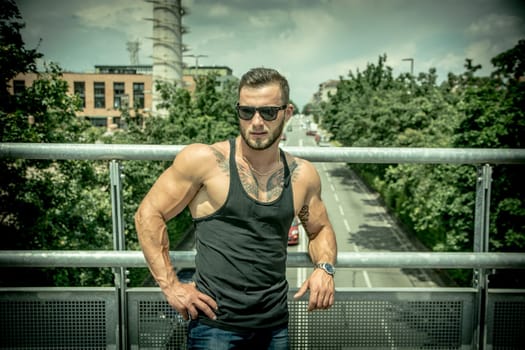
point(170, 194)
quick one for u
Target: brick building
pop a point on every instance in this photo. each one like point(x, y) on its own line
point(109, 89)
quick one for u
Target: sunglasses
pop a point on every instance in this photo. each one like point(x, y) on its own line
point(268, 113)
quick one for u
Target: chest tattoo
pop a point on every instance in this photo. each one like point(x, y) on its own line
point(263, 188)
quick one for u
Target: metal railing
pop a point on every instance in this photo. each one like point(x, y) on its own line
point(132, 259)
point(387, 155)
point(438, 318)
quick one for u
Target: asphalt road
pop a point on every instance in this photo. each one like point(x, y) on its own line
point(361, 224)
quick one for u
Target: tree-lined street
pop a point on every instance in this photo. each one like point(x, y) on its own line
point(66, 205)
point(361, 224)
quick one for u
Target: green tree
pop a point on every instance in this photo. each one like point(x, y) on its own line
point(14, 57)
point(436, 202)
point(494, 118)
point(66, 204)
point(45, 204)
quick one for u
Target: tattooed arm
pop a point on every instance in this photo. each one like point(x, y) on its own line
point(322, 245)
point(170, 194)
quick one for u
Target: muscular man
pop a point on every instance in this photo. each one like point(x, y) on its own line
point(243, 194)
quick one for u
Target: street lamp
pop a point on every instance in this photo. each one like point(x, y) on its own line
point(411, 65)
point(196, 63)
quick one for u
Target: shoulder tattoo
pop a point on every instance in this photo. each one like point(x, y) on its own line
point(222, 162)
point(295, 168)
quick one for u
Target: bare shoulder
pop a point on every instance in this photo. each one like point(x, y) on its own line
point(302, 170)
point(199, 158)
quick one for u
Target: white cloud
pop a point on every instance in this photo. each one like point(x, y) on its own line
point(450, 62)
point(218, 10)
point(494, 25)
point(119, 15)
point(482, 52)
point(310, 36)
point(493, 34)
point(310, 41)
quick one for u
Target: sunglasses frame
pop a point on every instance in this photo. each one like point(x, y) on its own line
point(263, 111)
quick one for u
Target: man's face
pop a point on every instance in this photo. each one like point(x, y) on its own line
point(258, 133)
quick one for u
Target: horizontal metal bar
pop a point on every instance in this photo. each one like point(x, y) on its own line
point(394, 155)
point(88, 151)
point(105, 258)
point(315, 154)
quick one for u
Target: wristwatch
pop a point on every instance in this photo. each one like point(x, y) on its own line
point(327, 267)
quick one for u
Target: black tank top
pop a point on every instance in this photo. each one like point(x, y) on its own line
point(241, 256)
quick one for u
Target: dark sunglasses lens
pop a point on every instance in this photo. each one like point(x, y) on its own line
point(268, 113)
point(246, 113)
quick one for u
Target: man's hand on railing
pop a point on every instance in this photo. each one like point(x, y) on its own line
point(188, 301)
point(322, 290)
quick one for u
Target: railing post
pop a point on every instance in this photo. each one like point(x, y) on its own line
point(481, 245)
point(115, 173)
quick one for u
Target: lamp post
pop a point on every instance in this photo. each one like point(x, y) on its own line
point(196, 63)
point(411, 65)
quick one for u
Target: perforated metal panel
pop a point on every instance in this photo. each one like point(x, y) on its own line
point(160, 327)
point(378, 324)
point(40, 320)
point(153, 323)
point(506, 321)
point(438, 318)
point(358, 320)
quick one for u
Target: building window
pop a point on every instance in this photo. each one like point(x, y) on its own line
point(100, 94)
point(19, 87)
point(98, 121)
point(118, 93)
point(138, 95)
point(79, 88)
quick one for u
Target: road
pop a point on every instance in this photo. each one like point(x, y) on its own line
point(361, 224)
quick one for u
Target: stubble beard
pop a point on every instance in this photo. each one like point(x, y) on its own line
point(262, 144)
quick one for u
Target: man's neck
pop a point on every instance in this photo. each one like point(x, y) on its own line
point(260, 160)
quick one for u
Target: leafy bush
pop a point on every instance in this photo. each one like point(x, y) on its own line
point(436, 202)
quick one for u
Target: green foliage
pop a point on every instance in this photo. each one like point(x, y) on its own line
point(14, 57)
point(436, 202)
point(66, 205)
point(46, 204)
point(494, 118)
point(206, 118)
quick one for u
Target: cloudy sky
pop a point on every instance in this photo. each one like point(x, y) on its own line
point(309, 41)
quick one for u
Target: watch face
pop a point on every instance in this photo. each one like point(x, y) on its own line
point(329, 268)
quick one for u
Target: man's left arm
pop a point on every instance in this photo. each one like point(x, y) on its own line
point(322, 248)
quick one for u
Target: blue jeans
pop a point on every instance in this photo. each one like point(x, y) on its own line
point(202, 336)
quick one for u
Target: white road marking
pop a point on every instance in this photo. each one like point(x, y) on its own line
point(403, 243)
point(347, 226)
point(365, 273)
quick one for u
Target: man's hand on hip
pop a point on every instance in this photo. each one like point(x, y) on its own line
point(187, 300)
